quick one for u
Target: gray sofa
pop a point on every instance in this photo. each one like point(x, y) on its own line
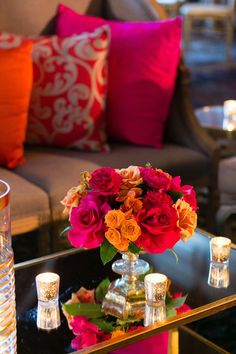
point(38, 186)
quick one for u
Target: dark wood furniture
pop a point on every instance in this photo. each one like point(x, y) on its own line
point(77, 268)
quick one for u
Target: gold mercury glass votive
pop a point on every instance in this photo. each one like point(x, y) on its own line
point(220, 249)
point(218, 276)
point(47, 286)
point(48, 315)
point(155, 293)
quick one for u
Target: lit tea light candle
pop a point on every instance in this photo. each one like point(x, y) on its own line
point(48, 315)
point(220, 249)
point(155, 288)
point(229, 122)
point(47, 286)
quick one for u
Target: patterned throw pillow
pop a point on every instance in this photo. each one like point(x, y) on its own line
point(69, 89)
point(68, 96)
point(142, 68)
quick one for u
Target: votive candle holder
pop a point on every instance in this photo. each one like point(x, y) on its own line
point(220, 249)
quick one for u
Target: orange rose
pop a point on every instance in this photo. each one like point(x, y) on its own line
point(187, 219)
point(131, 202)
point(114, 218)
point(118, 241)
point(130, 230)
point(73, 197)
point(130, 176)
point(125, 192)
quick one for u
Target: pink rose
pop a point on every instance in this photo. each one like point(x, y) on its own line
point(87, 222)
point(190, 196)
point(105, 181)
point(86, 333)
point(156, 179)
point(159, 229)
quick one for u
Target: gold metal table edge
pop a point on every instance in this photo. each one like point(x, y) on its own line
point(170, 323)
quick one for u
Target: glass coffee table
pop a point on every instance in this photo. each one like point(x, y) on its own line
point(212, 119)
point(84, 268)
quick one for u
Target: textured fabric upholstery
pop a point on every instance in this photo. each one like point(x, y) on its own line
point(30, 17)
point(56, 170)
point(29, 204)
point(55, 174)
point(130, 10)
point(226, 177)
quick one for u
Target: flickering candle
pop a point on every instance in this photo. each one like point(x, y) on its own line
point(155, 288)
point(48, 315)
point(220, 249)
point(47, 286)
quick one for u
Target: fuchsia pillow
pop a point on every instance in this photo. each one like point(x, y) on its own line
point(142, 68)
point(68, 96)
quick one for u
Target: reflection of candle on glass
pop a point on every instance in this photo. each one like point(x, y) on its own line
point(229, 115)
point(220, 249)
point(218, 276)
point(47, 286)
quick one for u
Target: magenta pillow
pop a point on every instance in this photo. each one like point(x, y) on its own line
point(142, 66)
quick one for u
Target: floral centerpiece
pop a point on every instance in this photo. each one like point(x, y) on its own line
point(130, 209)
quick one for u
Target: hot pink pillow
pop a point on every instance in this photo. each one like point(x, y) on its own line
point(142, 66)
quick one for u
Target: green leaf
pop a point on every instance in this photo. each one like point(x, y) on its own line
point(129, 321)
point(102, 289)
point(65, 230)
point(107, 252)
point(104, 325)
point(175, 195)
point(175, 303)
point(82, 309)
point(133, 248)
point(170, 312)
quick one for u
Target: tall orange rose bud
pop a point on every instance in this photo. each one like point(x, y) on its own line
point(187, 219)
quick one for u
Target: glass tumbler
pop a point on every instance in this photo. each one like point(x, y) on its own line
point(7, 277)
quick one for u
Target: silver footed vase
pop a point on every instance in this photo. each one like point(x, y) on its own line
point(126, 295)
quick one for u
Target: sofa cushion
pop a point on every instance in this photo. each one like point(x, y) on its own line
point(15, 90)
point(142, 67)
point(29, 205)
point(56, 170)
point(69, 91)
point(55, 174)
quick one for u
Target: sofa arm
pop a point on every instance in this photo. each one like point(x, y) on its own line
point(182, 126)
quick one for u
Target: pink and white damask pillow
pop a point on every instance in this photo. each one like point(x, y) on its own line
point(69, 89)
point(68, 96)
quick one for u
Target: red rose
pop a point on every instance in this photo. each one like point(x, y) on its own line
point(157, 199)
point(156, 179)
point(105, 181)
point(159, 229)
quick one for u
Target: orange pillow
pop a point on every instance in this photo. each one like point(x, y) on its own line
point(15, 89)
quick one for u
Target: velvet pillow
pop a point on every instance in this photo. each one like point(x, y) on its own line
point(142, 67)
point(15, 90)
point(68, 96)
